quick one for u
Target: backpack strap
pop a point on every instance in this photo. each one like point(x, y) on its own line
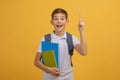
point(48, 38)
point(70, 43)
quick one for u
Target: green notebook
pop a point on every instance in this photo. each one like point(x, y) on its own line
point(49, 58)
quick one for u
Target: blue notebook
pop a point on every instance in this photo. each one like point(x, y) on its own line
point(46, 46)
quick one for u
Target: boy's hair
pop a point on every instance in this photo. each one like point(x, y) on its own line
point(59, 10)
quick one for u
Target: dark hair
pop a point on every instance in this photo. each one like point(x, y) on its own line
point(59, 10)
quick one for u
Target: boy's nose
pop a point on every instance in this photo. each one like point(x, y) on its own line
point(59, 21)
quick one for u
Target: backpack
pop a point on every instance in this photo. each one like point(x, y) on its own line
point(69, 43)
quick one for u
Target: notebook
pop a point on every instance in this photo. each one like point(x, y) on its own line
point(51, 46)
point(49, 58)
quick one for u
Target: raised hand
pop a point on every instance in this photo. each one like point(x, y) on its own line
point(81, 25)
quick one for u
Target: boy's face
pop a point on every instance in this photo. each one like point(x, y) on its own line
point(59, 21)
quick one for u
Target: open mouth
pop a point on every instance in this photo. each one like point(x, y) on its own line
point(59, 25)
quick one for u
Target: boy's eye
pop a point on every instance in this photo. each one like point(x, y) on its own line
point(55, 18)
point(62, 18)
point(59, 19)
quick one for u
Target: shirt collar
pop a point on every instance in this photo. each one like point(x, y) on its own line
point(53, 35)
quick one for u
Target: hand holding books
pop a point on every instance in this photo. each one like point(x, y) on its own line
point(54, 71)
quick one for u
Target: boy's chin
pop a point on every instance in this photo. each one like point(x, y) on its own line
point(59, 30)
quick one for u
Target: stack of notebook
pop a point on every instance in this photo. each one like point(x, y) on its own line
point(50, 54)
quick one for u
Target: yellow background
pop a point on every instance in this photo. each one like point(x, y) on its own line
point(24, 22)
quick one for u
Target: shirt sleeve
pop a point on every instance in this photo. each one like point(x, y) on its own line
point(75, 40)
point(40, 48)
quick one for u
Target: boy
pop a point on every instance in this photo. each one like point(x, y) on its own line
point(59, 21)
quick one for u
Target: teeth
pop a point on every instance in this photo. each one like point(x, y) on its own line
point(59, 25)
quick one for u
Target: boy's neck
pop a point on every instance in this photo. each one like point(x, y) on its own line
point(61, 33)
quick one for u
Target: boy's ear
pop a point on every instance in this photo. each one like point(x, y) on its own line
point(67, 20)
point(51, 22)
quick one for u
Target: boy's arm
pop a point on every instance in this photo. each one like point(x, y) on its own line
point(38, 63)
point(81, 48)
